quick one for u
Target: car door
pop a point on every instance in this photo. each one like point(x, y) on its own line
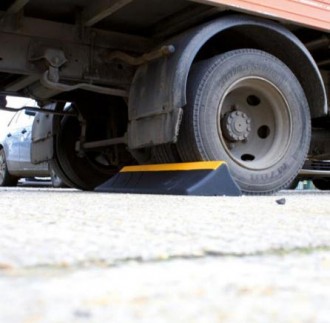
point(11, 143)
point(24, 132)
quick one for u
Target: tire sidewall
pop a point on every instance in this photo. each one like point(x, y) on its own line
point(3, 180)
point(8, 179)
point(219, 75)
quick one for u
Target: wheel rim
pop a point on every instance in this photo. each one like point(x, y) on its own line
point(254, 123)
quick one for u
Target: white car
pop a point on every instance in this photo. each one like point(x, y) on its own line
point(15, 152)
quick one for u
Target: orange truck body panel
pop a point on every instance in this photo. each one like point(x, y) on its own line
point(311, 13)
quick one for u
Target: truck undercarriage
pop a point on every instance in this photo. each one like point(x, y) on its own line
point(122, 82)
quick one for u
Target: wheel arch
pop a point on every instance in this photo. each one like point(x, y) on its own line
point(165, 80)
point(271, 38)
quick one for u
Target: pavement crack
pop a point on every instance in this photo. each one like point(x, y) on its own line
point(281, 251)
point(140, 260)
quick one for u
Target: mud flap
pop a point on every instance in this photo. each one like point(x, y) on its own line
point(197, 178)
point(42, 138)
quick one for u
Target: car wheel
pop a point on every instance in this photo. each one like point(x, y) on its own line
point(247, 108)
point(5, 178)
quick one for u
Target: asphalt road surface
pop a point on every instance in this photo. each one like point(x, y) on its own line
point(70, 256)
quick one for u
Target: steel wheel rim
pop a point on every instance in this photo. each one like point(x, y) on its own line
point(254, 123)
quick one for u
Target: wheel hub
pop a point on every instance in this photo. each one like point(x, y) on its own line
point(236, 126)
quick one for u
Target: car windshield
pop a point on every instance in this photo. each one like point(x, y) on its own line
point(8, 118)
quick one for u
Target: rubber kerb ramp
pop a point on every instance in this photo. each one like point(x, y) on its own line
point(196, 178)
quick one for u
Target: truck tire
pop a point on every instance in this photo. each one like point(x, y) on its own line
point(247, 108)
point(166, 153)
point(54, 166)
point(322, 184)
point(83, 172)
point(56, 180)
point(294, 184)
point(5, 178)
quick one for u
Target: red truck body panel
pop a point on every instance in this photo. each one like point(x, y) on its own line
point(312, 13)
